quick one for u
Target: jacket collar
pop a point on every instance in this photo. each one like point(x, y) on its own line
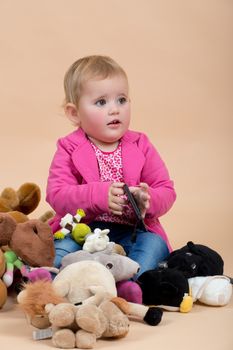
point(85, 160)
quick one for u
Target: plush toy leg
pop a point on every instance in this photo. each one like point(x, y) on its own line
point(85, 340)
point(64, 338)
point(8, 275)
point(91, 319)
point(130, 291)
point(150, 315)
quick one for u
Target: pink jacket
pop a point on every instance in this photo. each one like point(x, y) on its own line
point(74, 180)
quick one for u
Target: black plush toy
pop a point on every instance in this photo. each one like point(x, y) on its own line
point(196, 260)
point(166, 288)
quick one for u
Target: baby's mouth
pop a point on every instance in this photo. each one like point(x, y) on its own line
point(114, 122)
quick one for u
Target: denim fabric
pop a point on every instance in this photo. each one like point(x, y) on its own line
point(64, 247)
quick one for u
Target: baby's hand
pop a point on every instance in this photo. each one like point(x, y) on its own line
point(116, 201)
point(142, 197)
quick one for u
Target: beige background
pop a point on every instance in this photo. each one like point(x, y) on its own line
point(178, 56)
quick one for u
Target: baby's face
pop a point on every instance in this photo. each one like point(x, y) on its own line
point(104, 109)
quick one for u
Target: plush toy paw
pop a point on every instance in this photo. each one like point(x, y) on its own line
point(91, 319)
point(64, 338)
point(153, 316)
point(85, 340)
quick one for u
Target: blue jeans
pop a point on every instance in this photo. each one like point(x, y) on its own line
point(64, 247)
point(148, 250)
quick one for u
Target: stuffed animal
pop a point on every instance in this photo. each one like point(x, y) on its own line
point(121, 267)
point(167, 288)
point(3, 289)
point(71, 225)
point(81, 326)
point(196, 260)
point(31, 241)
point(20, 203)
point(212, 290)
point(96, 241)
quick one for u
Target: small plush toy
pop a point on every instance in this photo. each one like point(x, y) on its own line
point(20, 203)
point(167, 288)
point(121, 267)
point(31, 241)
point(71, 225)
point(12, 263)
point(96, 241)
point(81, 326)
point(3, 289)
point(212, 290)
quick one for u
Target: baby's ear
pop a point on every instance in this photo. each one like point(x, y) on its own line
point(72, 113)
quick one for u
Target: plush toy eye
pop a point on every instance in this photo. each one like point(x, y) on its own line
point(35, 230)
point(193, 266)
point(189, 254)
point(109, 266)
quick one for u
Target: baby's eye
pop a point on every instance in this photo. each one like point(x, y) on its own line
point(100, 102)
point(122, 100)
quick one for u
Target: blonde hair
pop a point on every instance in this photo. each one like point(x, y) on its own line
point(89, 67)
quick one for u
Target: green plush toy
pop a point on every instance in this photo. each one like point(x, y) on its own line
point(12, 262)
point(71, 225)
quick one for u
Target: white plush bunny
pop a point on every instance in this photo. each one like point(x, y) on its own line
point(97, 241)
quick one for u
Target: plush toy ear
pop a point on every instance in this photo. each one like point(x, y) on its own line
point(7, 228)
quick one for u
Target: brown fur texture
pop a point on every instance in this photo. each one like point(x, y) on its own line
point(36, 295)
point(32, 241)
point(24, 200)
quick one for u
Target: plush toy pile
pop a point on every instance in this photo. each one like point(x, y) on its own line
point(80, 305)
point(24, 243)
point(193, 272)
point(91, 309)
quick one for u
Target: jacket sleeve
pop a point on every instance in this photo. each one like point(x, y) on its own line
point(156, 175)
point(66, 192)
